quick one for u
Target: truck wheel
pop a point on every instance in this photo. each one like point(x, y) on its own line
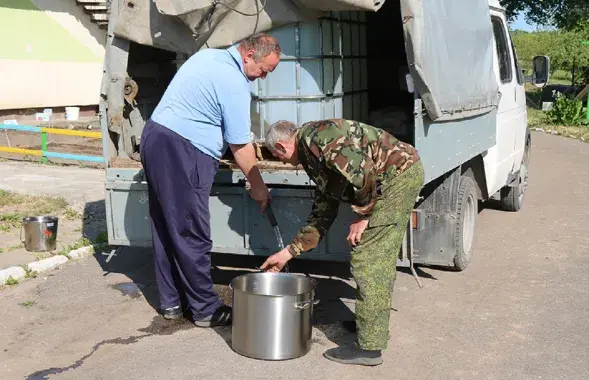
point(467, 211)
point(512, 197)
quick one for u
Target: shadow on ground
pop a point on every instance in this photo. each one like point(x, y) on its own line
point(94, 220)
point(332, 315)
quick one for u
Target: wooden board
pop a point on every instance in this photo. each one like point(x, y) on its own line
point(225, 163)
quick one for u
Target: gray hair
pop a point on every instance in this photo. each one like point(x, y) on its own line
point(280, 131)
point(262, 44)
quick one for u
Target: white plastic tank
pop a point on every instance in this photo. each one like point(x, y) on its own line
point(322, 73)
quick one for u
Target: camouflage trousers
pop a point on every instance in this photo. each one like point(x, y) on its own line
point(374, 260)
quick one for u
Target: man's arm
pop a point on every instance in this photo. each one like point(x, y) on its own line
point(235, 106)
point(245, 158)
point(322, 215)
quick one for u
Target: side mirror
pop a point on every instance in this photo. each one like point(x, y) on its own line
point(540, 70)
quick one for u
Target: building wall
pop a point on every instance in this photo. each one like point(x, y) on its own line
point(51, 55)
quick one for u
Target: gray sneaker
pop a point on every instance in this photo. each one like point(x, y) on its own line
point(354, 355)
point(221, 317)
point(172, 312)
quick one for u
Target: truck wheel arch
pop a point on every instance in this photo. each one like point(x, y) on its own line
point(475, 169)
point(513, 196)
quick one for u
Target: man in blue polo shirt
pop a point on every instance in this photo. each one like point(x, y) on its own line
point(204, 111)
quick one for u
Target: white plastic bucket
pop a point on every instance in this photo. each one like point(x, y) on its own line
point(72, 113)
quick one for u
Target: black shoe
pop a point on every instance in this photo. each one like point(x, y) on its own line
point(354, 355)
point(172, 312)
point(350, 326)
point(221, 317)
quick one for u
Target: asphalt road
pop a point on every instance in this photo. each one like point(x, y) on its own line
point(519, 311)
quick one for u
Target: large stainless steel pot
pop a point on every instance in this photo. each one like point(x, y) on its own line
point(272, 315)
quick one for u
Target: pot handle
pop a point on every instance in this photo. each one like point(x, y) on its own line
point(305, 304)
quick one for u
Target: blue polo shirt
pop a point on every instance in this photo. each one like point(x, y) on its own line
point(208, 101)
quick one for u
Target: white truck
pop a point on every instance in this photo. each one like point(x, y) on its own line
point(441, 75)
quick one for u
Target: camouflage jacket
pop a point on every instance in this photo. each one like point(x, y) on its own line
point(348, 161)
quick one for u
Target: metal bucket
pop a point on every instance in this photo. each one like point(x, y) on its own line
point(40, 233)
point(272, 315)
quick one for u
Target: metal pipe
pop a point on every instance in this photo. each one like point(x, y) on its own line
point(43, 153)
point(55, 131)
point(74, 157)
point(25, 128)
point(68, 132)
point(321, 52)
point(21, 151)
point(44, 146)
point(65, 156)
point(298, 71)
point(308, 97)
point(315, 57)
point(339, 19)
point(333, 61)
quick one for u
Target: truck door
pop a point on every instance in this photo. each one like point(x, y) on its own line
point(520, 129)
point(511, 114)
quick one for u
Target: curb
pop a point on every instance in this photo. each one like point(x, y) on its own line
point(556, 133)
point(15, 274)
point(46, 264)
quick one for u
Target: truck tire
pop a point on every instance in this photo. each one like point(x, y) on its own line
point(467, 211)
point(512, 197)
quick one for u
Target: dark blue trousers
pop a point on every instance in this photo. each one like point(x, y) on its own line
point(179, 179)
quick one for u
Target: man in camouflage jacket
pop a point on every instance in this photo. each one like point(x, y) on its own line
point(381, 178)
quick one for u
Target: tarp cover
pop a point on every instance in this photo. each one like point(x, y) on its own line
point(185, 26)
point(450, 52)
point(449, 43)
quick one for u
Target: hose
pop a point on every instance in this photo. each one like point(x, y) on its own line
point(262, 2)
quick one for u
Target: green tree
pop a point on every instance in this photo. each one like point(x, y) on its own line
point(563, 14)
point(563, 47)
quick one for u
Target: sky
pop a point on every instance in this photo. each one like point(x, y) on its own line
point(521, 24)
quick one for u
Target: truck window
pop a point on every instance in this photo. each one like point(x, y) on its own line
point(504, 57)
point(518, 70)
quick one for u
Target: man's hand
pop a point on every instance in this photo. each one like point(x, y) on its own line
point(356, 230)
point(261, 195)
point(277, 261)
point(245, 158)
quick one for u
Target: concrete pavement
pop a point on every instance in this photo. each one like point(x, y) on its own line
point(519, 311)
point(83, 188)
point(70, 182)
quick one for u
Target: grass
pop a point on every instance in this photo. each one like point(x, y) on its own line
point(102, 238)
point(561, 77)
point(538, 119)
point(42, 255)
point(27, 303)
point(28, 273)
point(10, 281)
point(11, 248)
point(9, 220)
point(15, 206)
point(71, 214)
point(82, 242)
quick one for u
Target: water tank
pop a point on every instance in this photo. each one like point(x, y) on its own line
point(322, 73)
